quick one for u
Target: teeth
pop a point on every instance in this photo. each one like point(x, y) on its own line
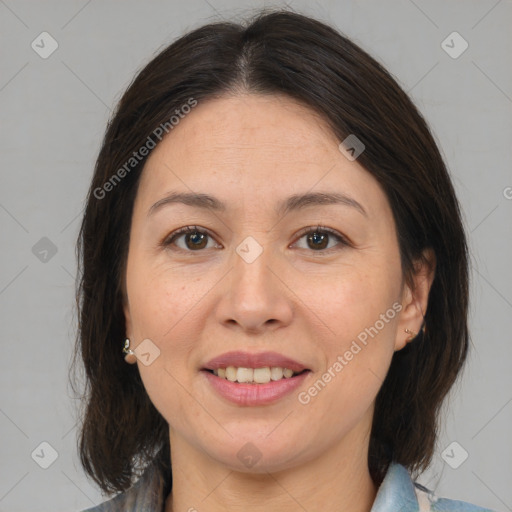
point(231, 373)
point(254, 375)
point(276, 373)
point(287, 373)
point(261, 375)
point(244, 375)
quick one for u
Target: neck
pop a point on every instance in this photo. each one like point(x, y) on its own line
point(337, 480)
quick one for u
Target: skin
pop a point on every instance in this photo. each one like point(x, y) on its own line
point(250, 152)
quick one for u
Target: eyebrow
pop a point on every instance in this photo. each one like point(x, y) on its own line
point(293, 203)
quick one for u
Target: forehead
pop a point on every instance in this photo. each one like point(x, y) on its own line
point(237, 125)
point(252, 145)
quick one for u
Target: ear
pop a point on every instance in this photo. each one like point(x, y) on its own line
point(127, 315)
point(415, 298)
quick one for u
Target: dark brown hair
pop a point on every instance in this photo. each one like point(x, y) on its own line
point(277, 52)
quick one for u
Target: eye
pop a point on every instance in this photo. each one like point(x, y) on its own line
point(318, 238)
point(194, 238)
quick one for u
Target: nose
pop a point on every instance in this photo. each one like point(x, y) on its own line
point(255, 296)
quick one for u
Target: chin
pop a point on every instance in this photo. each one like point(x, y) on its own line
point(259, 453)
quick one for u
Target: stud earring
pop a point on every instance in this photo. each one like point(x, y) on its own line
point(412, 335)
point(130, 356)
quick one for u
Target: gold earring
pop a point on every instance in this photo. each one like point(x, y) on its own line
point(130, 356)
point(412, 335)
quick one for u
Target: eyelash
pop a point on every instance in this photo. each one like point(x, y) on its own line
point(315, 229)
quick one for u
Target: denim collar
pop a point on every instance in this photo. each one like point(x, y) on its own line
point(397, 493)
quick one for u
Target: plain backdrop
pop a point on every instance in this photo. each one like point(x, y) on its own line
point(54, 112)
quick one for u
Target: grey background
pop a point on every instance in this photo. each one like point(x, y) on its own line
point(53, 115)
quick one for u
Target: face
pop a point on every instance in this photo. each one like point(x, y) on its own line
point(256, 277)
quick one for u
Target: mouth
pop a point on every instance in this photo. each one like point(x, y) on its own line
point(262, 375)
point(260, 386)
point(254, 379)
point(254, 368)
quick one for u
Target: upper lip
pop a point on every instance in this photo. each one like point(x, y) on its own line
point(247, 360)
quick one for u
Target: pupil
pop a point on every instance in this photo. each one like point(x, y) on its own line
point(196, 238)
point(315, 237)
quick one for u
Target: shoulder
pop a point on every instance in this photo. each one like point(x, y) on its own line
point(399, 492)
point(430, 502)
point(116, 504)
point(148, 494)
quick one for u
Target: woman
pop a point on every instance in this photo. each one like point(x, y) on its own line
point(272, 240)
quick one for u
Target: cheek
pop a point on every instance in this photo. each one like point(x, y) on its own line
point(162, 298)
point(166, 307)
point(357, 356)
point(350, 301)
point(359, 312)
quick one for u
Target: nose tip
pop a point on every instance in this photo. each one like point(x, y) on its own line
point(254, 297)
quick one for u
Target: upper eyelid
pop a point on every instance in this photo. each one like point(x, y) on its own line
point(329, 231)
point(343, 240)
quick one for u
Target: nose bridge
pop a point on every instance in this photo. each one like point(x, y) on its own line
point(255, 295)
point(252, 279)
point(252, 262)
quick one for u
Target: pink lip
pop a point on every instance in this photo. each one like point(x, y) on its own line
point(254, 394)
point(248, 360)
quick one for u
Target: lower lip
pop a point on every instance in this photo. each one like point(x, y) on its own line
point(254, 394)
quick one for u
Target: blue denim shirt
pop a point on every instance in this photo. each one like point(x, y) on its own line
point(397, 493)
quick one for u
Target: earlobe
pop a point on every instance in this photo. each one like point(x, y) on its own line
point(415, 299)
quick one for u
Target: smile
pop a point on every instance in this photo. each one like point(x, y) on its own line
point(254, 375)
point(253, 393)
